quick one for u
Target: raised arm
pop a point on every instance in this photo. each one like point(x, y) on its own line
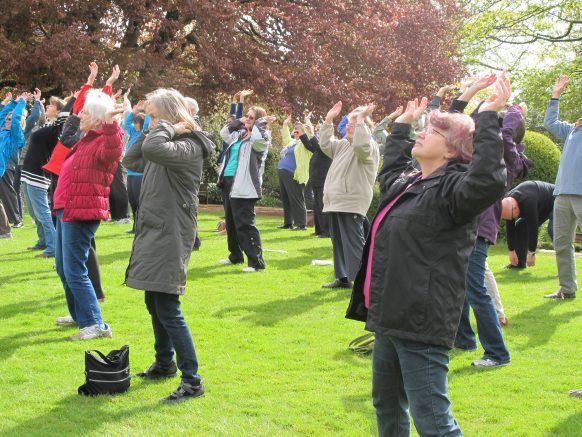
point(560, 129)
point(133, 159)
point(261, 135)
point(327, 141)
point(363, 145)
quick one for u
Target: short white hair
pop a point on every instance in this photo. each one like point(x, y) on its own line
point(192, 105)
point(97, 104)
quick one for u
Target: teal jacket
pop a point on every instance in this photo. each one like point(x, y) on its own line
point(568, 180)
point(13, 138)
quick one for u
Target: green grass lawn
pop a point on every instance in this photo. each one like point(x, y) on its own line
point(272, 348)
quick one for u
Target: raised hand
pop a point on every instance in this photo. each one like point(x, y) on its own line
point(243, 94)
point(25, 95)
point(36, 94)
point(93, 70)
point(333, 112)
point(117, 94)
point(7, 98)
point(560, 86)
point(366, 112)
point(287, 120)
point(498, 100)
point(182, 127)
point(445, 90)
point(270, 119)
point(236, 97)
point(117, 109)
point(114, 75)
point(394, 115)
point(413, 111)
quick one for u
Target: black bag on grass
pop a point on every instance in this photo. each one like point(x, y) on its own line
point(106, 374)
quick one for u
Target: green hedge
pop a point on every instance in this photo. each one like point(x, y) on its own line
point(545, 155)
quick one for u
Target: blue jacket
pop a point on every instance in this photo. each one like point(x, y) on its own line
point(568, 180)
point(133, 135)
point(13, 138)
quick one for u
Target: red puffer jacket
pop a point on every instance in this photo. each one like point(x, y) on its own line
point(95, 158)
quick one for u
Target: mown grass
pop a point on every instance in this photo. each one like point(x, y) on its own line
point(272, 349)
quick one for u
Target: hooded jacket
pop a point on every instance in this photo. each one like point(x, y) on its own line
point(252, 153)
point(11, 139)
point(166, 222)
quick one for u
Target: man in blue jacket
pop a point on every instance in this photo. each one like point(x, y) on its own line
point(568, 192)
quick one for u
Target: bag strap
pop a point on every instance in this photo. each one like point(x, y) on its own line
point(103, 357)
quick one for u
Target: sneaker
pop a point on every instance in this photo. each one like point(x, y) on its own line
point(251, 270)
point(66, 321)
point(123, 221)
point(131, 231)
point(183, 392)
point(285, 227)
point(337, 284)
point(18, 225)
point(7, 236)
point(559, 295)
point(576, 393)
point(43, 255)
point(36, 247)
point(488, 362)
point(228, 262)
point(511, 266)
point(91, 332)
point(156, 371)
point(300, 228)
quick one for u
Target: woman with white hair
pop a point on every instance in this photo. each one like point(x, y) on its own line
point(171, 158)
point(81, 202)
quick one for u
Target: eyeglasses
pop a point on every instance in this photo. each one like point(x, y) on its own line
point(431, 130)
point(250, 117)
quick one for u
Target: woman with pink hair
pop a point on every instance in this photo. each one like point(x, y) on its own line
point(411, 285)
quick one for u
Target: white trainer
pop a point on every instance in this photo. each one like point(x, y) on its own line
point(94, 331)
point(66, 321)
point(249, 270)
point(225, 262)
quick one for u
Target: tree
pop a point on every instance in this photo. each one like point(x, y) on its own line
point(296, 53)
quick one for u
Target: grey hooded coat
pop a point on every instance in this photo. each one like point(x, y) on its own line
point(167, 216)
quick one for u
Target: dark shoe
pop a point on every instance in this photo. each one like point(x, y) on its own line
point(156, 371)
point(36, 247)
point(559, 295)
point(511, 266)
point(18, 225)
point(300, 228)
point(488, 362)
point(324, 236)
point(285, 227)
point(43, 255)
point(131, 231)
point(466, 348)
point(337, 284)
point(184, 392)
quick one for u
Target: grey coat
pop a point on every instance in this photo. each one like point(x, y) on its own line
point(166, 222)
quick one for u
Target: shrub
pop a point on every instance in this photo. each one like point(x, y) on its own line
point(545, 155)
point(271, 175)
point(373, 209)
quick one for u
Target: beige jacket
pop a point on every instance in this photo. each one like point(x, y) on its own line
point(350, 179)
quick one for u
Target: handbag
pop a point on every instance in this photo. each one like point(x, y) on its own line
point(106, 374)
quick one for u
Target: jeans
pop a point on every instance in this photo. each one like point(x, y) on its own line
point(38, 207)
point(72, 250)
point(410, 375)
point(171, 334)
point(477, 297)
point(567, 215)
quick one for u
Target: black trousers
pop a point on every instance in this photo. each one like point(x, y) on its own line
point(293, 198)
point(17, 188)
point(309, 196)
point(133, 190)
point(118, 198)
point(9, 197)
point(320, 218)
point(347, 236)
point(241, 228)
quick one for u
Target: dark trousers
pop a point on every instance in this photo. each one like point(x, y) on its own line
point(308, 193)
point(488, 326)
point(241, 229)
point(411, 377)
point(9, 197)
point(17, 186)
point(522, 237)
point(293, 198)
point(347, 237)
point(172, 334)
point(320, 219)
point(4, 225)
point(133, 190)
point(118, 199)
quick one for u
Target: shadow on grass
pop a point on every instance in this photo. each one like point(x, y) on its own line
point(87, 413)
point(529, 322)
point(30, 306)
point(350, 357)
point(512, 275)
point(38, 275)
point(569, 427)
point(11, 343)
point(115, 257)
point(272, 312)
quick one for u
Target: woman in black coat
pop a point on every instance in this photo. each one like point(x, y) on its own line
point(411, 285)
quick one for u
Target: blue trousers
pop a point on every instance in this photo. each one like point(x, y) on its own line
point(490, 335)
point(411, 376)
point(39, 210)
point(72, 250)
